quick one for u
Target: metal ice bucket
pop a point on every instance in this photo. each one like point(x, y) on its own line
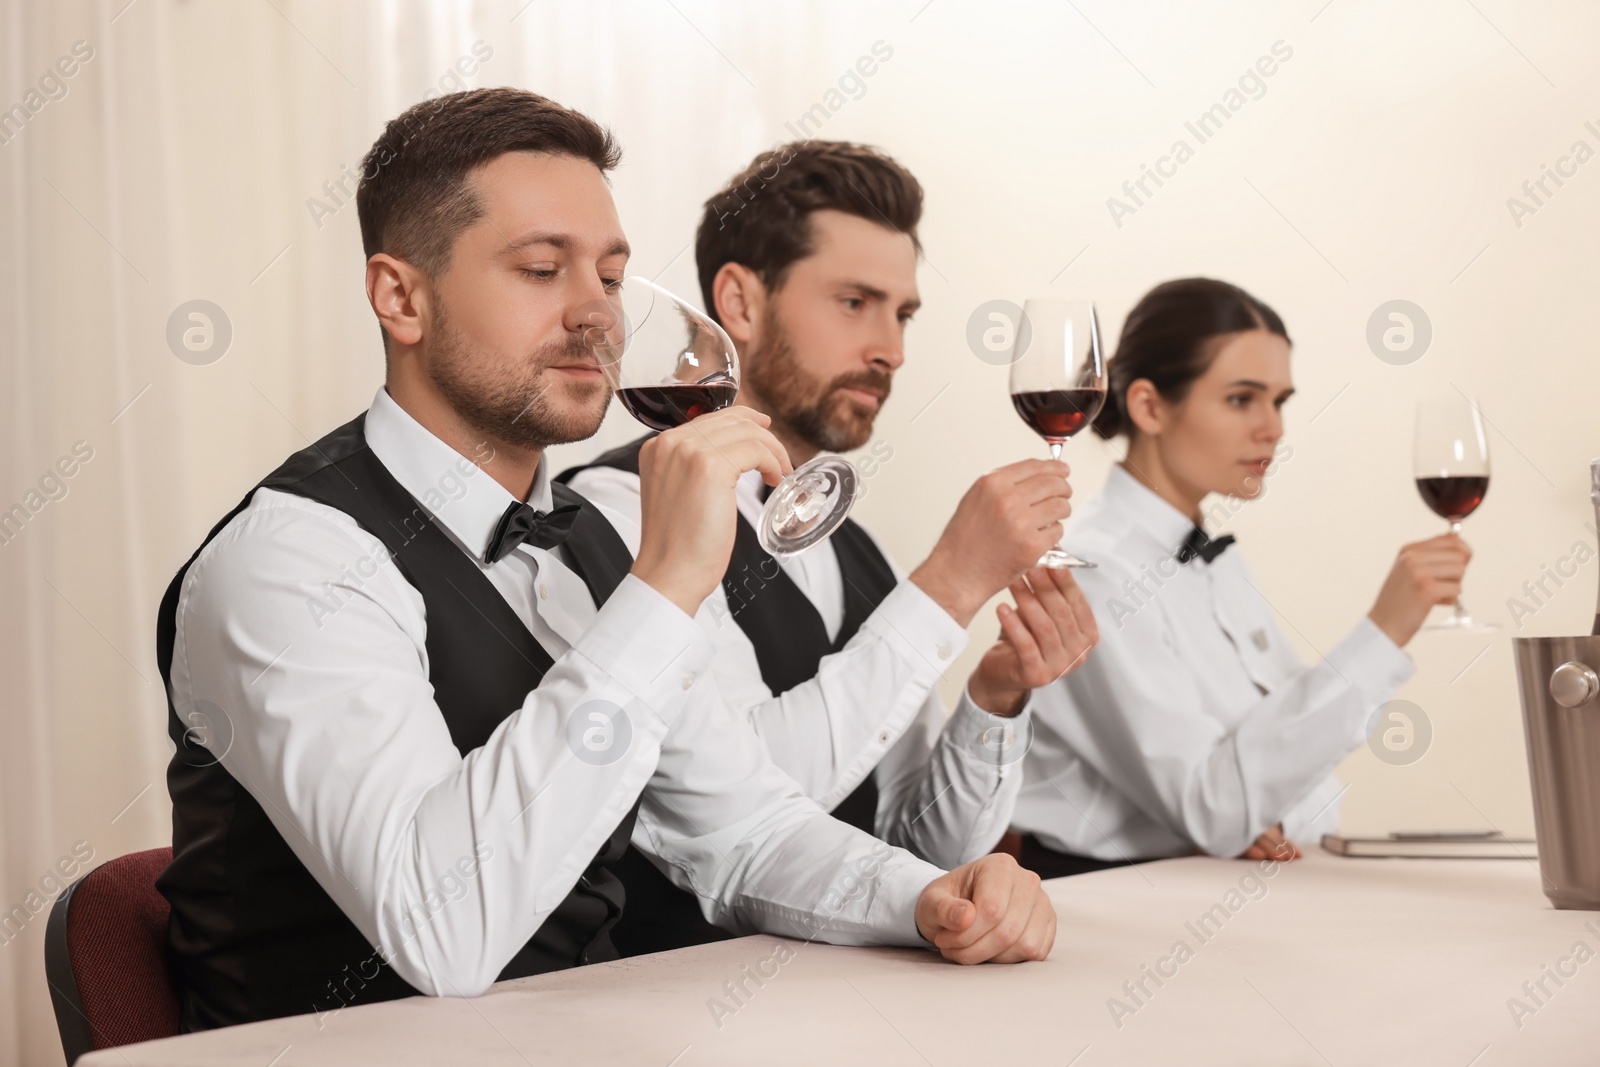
point(1560, 682)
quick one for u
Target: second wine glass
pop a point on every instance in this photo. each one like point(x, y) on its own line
point(1058, 380)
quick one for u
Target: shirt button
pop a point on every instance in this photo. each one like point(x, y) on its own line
point(944, 651)
point(544, 591)
point(688, 681)
point(883, 737)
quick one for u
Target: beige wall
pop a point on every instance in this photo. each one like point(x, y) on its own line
point(1376, 166)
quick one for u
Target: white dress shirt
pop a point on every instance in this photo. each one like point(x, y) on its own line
point(296, 624)
point(1193, 724)
point(947, 783)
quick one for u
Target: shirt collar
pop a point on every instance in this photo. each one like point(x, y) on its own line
point(464, 500)
point(1148, 512)
point(750, 485)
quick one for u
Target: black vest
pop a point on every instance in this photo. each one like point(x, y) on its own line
point(790, 641)
point(252, 934)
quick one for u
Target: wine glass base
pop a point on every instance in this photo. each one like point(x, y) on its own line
point(1056, 559)
point(1464, 623)
point(807, 507)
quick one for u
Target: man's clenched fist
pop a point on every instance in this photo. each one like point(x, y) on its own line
point(988, 911)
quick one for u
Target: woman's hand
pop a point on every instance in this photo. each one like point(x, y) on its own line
point(1425, 573)
point(1272, 845)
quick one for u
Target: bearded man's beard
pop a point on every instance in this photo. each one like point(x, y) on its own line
point(508, 402)
point(819, 413)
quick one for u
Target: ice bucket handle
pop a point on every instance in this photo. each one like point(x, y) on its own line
point(1573, 684)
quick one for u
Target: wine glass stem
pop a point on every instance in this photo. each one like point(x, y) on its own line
point(1055, 453)
point(1461, 609)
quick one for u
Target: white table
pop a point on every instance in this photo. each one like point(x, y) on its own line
point(1335, 961)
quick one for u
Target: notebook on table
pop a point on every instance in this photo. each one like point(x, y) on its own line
point(1446, 845)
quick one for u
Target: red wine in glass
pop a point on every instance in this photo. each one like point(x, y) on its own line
point(1057, 414)
point(1454, 498)
point(661, 407)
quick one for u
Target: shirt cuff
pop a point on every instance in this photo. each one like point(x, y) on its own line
point(914, 624)
point(893, 917)
point(1316, 815)
point(648, 645)
point(990, 739)
point(1371, 662)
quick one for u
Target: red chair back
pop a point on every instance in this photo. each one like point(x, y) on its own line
point(106, 956)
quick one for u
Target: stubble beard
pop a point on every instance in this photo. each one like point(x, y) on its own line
point(509, 401)
point(817, 413)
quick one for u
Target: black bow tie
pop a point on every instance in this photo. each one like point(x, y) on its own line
point(1199, 543)
point(523, 522)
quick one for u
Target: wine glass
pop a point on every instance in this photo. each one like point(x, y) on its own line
point(1451, 462)
point(680, 364)
point(1058, 380)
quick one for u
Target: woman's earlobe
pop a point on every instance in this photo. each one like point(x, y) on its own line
point(1139, 406)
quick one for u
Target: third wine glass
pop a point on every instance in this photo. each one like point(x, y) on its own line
point(1451, 463)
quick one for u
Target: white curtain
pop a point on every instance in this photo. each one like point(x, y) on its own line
point(177, 163)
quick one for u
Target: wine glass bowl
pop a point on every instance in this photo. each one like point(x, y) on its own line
point(1058, 380)
point(667, 361)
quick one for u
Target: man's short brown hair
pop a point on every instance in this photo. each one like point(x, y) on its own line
point(414, 198)
point(762, 218)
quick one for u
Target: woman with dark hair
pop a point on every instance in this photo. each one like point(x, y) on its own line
point(1194, 726)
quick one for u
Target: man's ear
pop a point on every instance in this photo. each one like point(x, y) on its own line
point(740, 299)
point(399, 296)
point(1144, 406)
